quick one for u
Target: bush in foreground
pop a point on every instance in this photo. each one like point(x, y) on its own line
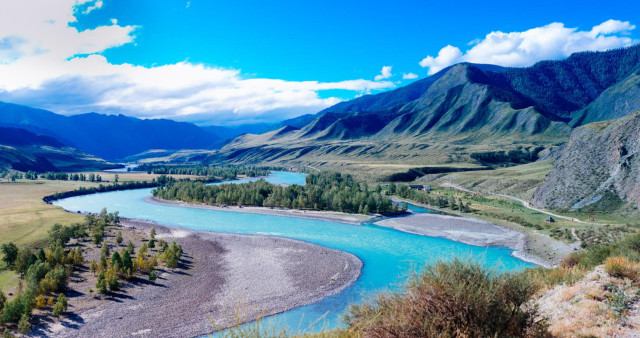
point(452, 299)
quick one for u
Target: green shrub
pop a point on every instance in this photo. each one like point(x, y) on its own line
point(595, 256)
point(456, 298)
point(3, 300)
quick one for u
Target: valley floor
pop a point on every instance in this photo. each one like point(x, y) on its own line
point(223, 279)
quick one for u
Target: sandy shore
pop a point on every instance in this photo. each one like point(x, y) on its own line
point(330, 216)
point(536, 249)
point(222, 277)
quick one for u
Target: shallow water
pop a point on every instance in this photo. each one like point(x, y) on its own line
point(388, 255)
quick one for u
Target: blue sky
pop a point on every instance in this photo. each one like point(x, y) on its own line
point(231, 62)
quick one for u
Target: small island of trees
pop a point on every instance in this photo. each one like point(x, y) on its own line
point(323, 191)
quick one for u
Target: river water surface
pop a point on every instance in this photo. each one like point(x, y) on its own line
point(388, 255)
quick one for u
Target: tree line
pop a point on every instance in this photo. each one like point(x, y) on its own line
point(439, 201)
point(322, 191)
point(226, 173)
point(127, 185)
point(61, 176)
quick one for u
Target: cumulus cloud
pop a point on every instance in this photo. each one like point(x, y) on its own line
point(409, 76)
point(47, 63)
point(520, 49)
point(385, 73)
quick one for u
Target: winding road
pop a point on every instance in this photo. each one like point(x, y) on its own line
point(523, 202)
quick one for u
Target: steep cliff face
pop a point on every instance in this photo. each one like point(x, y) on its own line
point(599, 169)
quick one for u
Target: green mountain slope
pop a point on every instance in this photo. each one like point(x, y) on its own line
point(462, 109)
point(23, 151)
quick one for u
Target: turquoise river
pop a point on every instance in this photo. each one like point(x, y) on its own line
point(388, 255)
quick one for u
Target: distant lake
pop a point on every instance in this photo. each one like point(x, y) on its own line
point(388, 255)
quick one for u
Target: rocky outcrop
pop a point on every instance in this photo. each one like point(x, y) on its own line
point(599, 169)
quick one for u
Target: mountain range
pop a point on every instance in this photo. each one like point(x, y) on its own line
point(459, 115)
point(24, 151)
point(460, 110)
point(108, 136)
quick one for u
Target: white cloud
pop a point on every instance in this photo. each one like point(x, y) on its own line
point(409, 76)
point(385, 73)
point(520, 49)
point(47, 63)
point(96, 5)
point(446, 57)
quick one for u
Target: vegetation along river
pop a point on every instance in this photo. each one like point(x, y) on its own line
point(388, 255)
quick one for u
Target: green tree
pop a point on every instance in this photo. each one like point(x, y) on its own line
point(127, 263)
point(131, 249)
point(14, 309)
point(78, 258)
point(153, 276)
point(119, 237)
point(116, 260)
point(24, 326)
point(152, 238)
point(59, 235)
point(61, 305)
point(36, 273)
point(98, 234)
point(101, 283)
point(104, 250)
point(111, 277)
point(10, 253)
point(116, 178)
point(22, 261)
point(93, 267)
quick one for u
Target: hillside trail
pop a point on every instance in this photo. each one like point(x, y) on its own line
point(523, 202)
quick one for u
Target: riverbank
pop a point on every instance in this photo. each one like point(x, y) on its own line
point(530, 247)
point(329, 216)
point(533, 248)
point(223, 279)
